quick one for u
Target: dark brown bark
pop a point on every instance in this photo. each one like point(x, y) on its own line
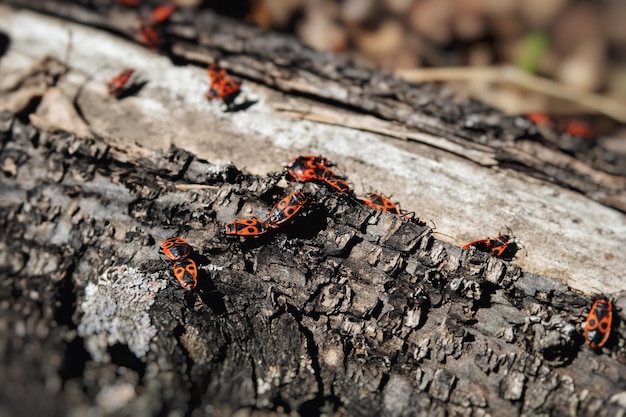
point(347, 311)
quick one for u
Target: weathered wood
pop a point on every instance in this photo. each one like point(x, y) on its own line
point(441, 180)
point(281, 62)
point(349, 311)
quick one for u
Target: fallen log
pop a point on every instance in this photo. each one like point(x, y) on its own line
point(346, 311)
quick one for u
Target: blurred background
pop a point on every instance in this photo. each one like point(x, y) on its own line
point(578, 46)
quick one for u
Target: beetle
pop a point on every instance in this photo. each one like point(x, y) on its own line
point(578, 128)
point(175, 248)
point(130, 3)
point(338, 185)
point(148, 31)
point(117, 83)
point(149, 36)
point(380, 202)
point(500, 246)
point(311, 161)
point(309, 168)
point(222, 85)
point(285, 210)
point(540, 119)
point(246, 227)
point(599, 323)
point(161, 13)
point(186, 272)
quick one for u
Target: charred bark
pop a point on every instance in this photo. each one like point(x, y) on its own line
point(348, 311)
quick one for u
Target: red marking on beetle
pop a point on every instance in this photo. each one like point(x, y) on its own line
point(286, 209)
point(540, 119)
point(186, 272)
point(246, 227)
point(149, 36)
point(130, 3)
point(309, 168)
point(161, 13)
point(580, 129)
point(598, 324)
point(497, 246)
point(176, 248)
point(148, 32)
point(338, 185)
point(222, 85)
point(315, 168)
point(117, 84)
point(380, 202)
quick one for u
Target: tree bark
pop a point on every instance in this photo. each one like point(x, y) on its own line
point(347, 311)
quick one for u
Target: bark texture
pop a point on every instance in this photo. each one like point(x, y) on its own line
point(348, 311)
point(281, 62)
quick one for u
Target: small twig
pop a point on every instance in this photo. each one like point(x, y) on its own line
point(421, 75)
point(595, 102)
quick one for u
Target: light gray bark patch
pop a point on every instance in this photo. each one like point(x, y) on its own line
point(116, 311)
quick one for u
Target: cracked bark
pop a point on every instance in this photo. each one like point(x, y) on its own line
point(347, 312)
point(350, 311)
point(282, 63)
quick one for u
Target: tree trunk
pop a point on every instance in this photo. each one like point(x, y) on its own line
point(345, 311)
